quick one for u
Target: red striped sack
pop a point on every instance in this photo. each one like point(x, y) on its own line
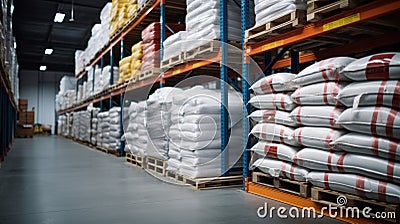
point(274, 133)
point(323, 71)
point(314, 137)
point(281, 101)
point(378, 121)
point(324, 93)
point(279, 82)
point(357, 185)
point(381, 66)
point(319, 116)
point(344, 162)
point(278, 168)
point(275, 150)
point(369, 145)
point(380, 93)
point(273, 116)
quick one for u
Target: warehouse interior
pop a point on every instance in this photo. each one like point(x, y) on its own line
point(193, 111)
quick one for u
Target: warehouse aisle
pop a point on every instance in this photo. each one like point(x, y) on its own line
point(55, 180)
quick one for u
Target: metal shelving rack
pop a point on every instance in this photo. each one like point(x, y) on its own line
point(361, 16)
point(155, 9)
point(8, 114)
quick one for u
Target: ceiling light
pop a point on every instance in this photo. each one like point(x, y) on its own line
point(15, 45)
point(59, 17)
point(43, 68)
point(48, 51)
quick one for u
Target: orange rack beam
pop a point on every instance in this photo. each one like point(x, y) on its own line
point(299, 202)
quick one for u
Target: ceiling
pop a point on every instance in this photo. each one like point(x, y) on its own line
point(35, 31)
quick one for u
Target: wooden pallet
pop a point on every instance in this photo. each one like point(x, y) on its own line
point(172, 61)
point(201, 51)
point(302, 189)
point(150, 73)
point(136, 160)
point(294, 19)
point(319, 9)
point(206, 183)
point(156, 165)
point(108, 151)
point(329, 197)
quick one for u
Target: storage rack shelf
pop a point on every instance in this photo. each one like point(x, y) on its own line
point(8, 113)
point(130, 34)
point(333, 36)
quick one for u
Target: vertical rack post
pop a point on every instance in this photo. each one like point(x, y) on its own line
point(93, 77)
point(121, 116)
point(102, 63)
point(162, 37)
point(223, 82)
point(111, 73)
point(294, 62)
point(267, 61)
point(245, 91)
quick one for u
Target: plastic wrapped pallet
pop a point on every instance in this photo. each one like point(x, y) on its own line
point(357, 185)
point(174, 44)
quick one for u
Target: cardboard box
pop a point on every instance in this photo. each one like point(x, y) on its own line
point(23, 104)
point(24, 132)
point(26, 117)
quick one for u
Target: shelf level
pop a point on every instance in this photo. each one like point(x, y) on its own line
point(342, 20)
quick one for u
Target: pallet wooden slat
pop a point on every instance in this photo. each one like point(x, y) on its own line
point(329, 197)
point(302, 189)
point(172, 61)
point(319, 9)
point(136, 160)
point(206, 183)
point(294, 19)
point(156, 165)
point(201, 51)
point(150, 73)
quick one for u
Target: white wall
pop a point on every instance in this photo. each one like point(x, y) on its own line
point(40, 88)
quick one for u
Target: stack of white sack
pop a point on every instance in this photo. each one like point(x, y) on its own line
point(103, 132)
point(136, 134)
point(174, 150)
point(114, 140)
point(269, 10)
point(100, 34)
point(106, 76)
point(62, 125)
point(203, 22)
point(274, 127)
point(174, 44)
point(158, 121)
point(94, 111)
point(195, 136)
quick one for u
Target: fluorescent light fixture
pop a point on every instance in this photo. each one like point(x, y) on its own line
point(15, 45)
point(59, 17)
point(43, 68)
point(48, 51)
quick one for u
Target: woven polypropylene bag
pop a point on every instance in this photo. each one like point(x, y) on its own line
point(381, 66)
point(281, 101)
point(278, 168)
point(274, 133)
point(273, 116)
point(279, 82)
point(275, 150)
point(317, 94)
point(356, 184)
point(314, 137)
point(319, 116)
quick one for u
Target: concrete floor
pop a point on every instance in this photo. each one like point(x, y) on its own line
point(54, 180)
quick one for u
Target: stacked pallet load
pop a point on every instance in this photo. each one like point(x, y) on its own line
point(62, 125)
point(274, 127)
point(195, 138)
point(81, 125)
point(105, 78)
point(276, 16)
point(173, 48)
point(362, 162)
point(151, 48)
point(118, 15)
point(66, 96)
point(130, 67)
point(125, 69)
point(132, 8)
point(115, 129)
point(25, 123)
point(94, 124)
point(136, 134)
point(103, 131)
